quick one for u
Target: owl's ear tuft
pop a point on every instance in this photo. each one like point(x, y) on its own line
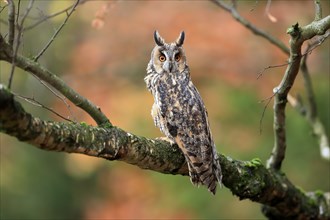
point(158, 39)
point(180, 39)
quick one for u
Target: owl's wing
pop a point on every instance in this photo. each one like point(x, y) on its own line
point(190, 129)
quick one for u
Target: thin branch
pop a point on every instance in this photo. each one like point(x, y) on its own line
point(251, 27)
point(316, 124)
point(312, 109)
point(268, 100)
point(37, 103)
point(11, 23)
point(39, 21)
point(313, 46)
point(310, 112)
point(2, 8)
point(45, 18)
point(18, 10)
point(53, 80)
point(18, 42)
point(57, 31)
point(312, 116)
point(260, 73)
point(63, 99)
point(254, 6)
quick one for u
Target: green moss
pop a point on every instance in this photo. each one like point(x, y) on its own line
point(107, 125)
point(83, 124)
point(319, 193)
point(311, 202)
point(301, 189)
point(255, 162)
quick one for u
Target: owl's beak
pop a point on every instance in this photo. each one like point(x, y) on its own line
point(168, 66)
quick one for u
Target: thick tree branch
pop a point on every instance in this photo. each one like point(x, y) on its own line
point(6, 54)
point(246, 179)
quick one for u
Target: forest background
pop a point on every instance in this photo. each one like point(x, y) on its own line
point(102, 53)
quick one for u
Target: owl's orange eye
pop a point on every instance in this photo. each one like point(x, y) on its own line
point(162, 58)
point(177, 57)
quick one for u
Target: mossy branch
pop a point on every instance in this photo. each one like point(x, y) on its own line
point(246, 179)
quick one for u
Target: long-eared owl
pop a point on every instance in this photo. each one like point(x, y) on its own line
point(179, 111)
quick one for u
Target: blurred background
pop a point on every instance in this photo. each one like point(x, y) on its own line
point(102, 52)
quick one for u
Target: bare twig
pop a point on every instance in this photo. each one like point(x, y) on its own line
point(251, 27)
point(264, 111)
point(312, 110)
point(254, 6)
point(11, 23)
point(39, 20)
point(2, 8)
point(63, 99)
point(18, 10)
point(260, 73)
point(314, 45)
point(19, 36)
point(45, 18)
point(57, 31)
point(53, 80)
point(37, 103)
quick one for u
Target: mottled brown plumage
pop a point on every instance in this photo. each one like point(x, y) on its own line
point(179, 111)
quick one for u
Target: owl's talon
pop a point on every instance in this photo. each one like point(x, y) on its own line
point(166, 139)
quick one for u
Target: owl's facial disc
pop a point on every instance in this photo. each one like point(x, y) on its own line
point(169, 60)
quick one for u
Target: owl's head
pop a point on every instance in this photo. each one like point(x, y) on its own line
point(168, 57)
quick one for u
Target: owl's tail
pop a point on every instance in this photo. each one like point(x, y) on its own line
point(207, 174)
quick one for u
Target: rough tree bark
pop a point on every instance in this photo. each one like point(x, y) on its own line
point(246, 179)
